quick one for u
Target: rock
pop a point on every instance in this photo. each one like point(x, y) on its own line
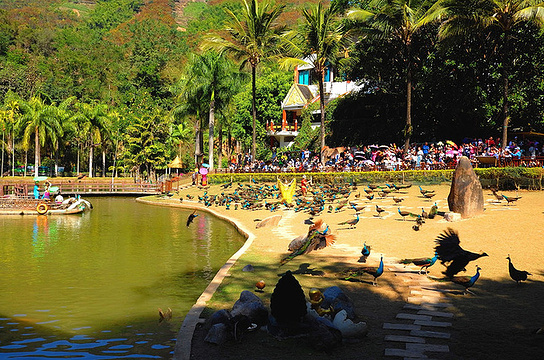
point(466, 196)
point(452, 217)
point(335, 296)
point(288, 303)
point(269, 221)
point(248, 267)
point(251, 306)
point(220, 317)
point(323, 337)
point(218, 334)
point(348, 328)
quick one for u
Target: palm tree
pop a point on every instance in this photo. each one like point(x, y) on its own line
point(116, 137)
point(499, 17)
point(38, 119)
point(11, 106)
point(321, 39)
point(401, 20)
point(93, 118)
point(191, 102)
point(252, 36)
point(180, 133)
point(212, 77)
point(63, 114)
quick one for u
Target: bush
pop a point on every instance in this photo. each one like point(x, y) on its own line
point(506, 178)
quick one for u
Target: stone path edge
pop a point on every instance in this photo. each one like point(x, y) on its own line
point(182, 349)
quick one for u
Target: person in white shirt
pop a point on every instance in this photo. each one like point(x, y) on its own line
point(59, 199)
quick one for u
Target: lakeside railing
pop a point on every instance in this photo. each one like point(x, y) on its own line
point(87, 188)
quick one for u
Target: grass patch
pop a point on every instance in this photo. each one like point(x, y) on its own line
point(193, 9)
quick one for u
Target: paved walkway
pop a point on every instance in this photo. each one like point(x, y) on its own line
point(421, 329)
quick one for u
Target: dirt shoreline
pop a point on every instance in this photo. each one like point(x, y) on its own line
point(497, 322)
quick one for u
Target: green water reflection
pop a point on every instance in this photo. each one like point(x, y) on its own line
point(90, 285)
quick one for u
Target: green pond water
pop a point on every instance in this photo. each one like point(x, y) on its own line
point(89, 286)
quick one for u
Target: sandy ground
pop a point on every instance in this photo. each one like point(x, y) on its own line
point(498, 321)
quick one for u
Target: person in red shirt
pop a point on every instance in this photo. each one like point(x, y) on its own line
point(304, 185)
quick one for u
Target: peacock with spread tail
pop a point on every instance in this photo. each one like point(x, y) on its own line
point(316, 239)
point(451, 254)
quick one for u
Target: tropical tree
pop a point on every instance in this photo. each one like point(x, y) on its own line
point(252, 37)
point(9, 115)
point(500, 19)
point(38, 119)
point(212, 77)
point(93, 118)
point(116, 136)
point(63, 114)
point(401, 20)
point(180, 133)
point(321, 40)
point(191, 102)
point(146, 143)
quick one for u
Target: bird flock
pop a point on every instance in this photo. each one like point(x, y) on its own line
point(325, 199)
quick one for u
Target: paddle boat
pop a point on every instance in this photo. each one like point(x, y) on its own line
point(10, 205)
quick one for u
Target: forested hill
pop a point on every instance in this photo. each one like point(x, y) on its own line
point(102, 50)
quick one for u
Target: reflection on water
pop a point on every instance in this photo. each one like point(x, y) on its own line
point(90, 285)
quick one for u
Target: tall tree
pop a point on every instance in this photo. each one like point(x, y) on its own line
point(500, 19)
point(180, 133)
point(321, 40)
point(38, 119)
point(9, 114)
point(63, 114)
point(212, 77)
point(401, 20)
point(191, 102)
point(94, 119)
point(252, 36)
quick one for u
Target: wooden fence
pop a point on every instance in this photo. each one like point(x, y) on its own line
point(87, 188)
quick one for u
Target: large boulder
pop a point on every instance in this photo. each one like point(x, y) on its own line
point(466, 196)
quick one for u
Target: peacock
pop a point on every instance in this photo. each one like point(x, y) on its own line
point(423, 192)
point(511, 199)
point(424, 263)
point(376, 272)
point(451, 254)
point(191, 217)
point(379, 210)
point(433, 212)
point(352, 222)
point(404, 214)
point(517, 275)
point(365, 252)
point(314, 240)
point(424, 214)
point(428, 195)
point(497, 196)
point(467, 281)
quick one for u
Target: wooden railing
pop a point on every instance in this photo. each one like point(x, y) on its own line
point(87, 187)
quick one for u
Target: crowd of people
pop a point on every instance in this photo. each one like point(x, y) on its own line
point(424, 156)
